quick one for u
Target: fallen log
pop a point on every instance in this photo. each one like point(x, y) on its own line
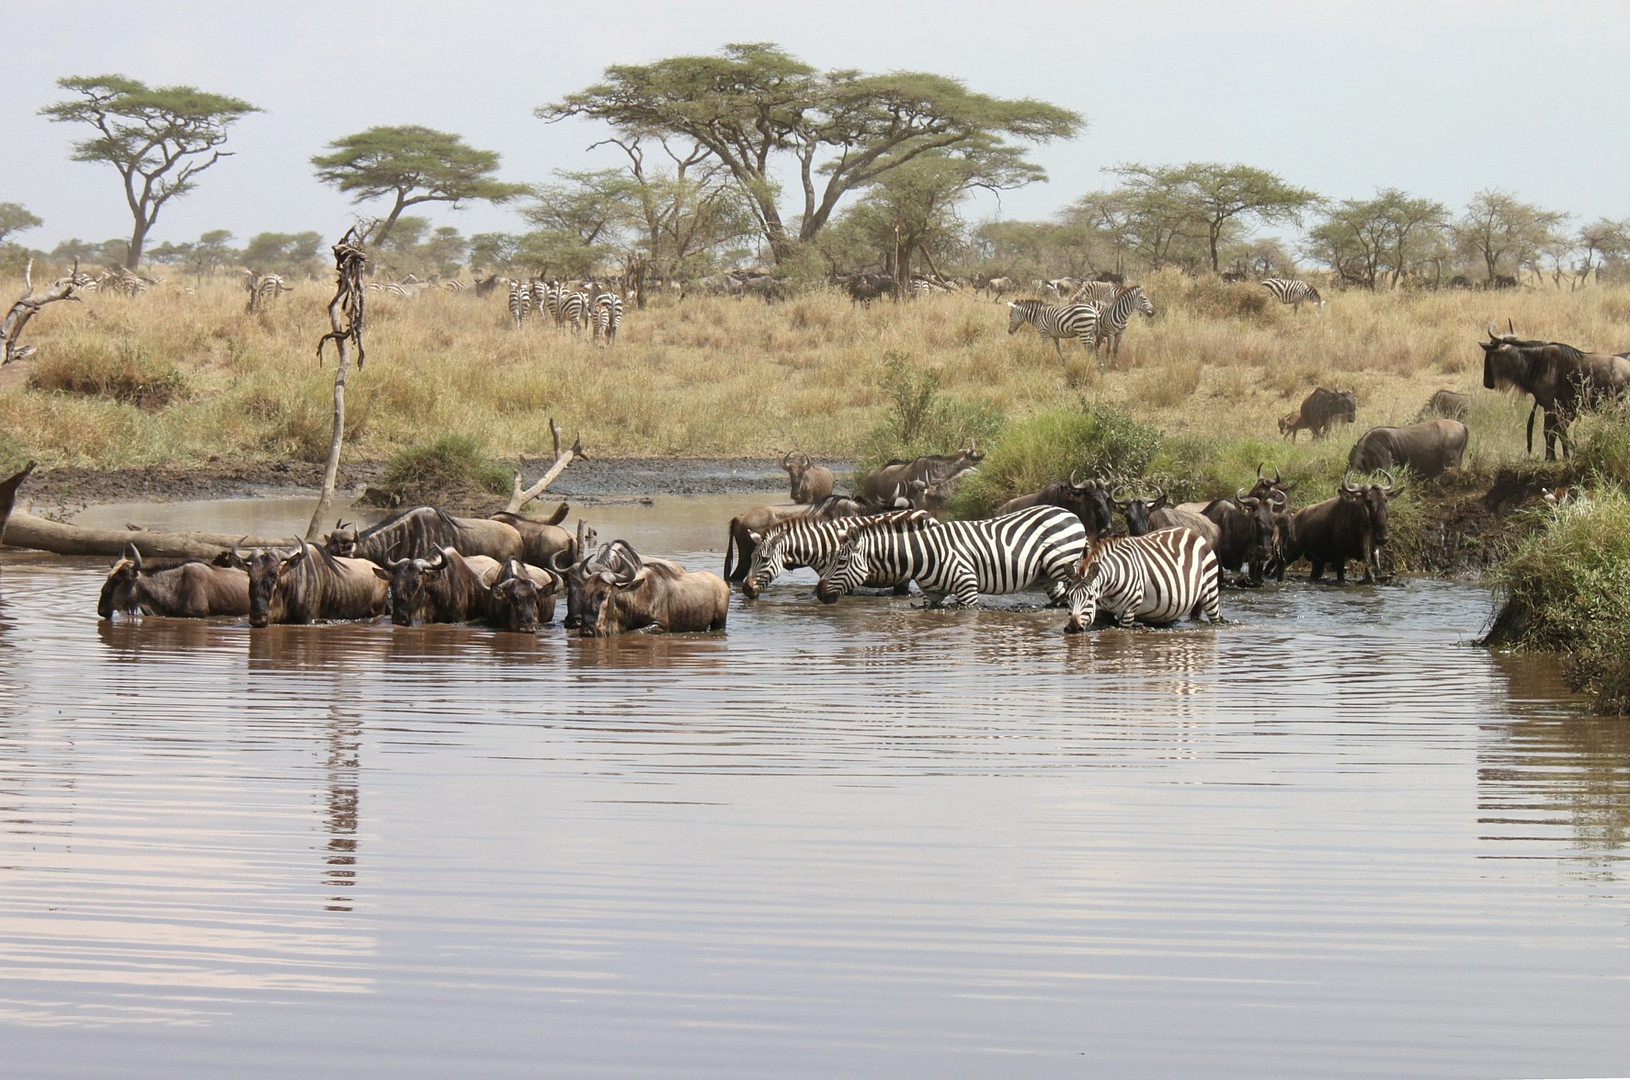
point(27, 531)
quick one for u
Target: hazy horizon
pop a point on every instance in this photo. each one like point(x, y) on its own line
point(1441, 100)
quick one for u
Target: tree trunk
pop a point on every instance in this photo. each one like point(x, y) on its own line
point(138, 242)
point(8, 495)
point(26, 530)
point(345, 315)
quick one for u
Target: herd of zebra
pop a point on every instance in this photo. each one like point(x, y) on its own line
point(574, 304)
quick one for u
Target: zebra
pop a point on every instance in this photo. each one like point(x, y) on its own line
point(607, 314)
point(954, 562)
point(1158, 578)
point(802, 541)
point(1113, 317)
point(1294, 293)
point(574, 309)
point(1057, 323)
point(263, 289)
point(520, 301)
point(1096, 292)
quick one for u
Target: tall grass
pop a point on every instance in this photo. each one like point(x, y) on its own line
point(1217, 365)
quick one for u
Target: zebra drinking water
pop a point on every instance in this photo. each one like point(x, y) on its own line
point(955, 561)
point(1156, 578)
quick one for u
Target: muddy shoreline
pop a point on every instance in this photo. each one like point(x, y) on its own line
point(588, 481)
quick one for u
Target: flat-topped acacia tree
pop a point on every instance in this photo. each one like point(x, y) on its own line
point(754, 106)
point(411, 165)
point(158, 138)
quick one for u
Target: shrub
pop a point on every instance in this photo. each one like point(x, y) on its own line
point(920, 420)
point(451, 462)
point(1094, 440)
point(1567, 590)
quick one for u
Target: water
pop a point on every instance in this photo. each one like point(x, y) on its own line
point(1329, 838)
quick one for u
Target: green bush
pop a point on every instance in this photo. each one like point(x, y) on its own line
point(448, 463)
point(920, 420)
point(1567, 590)
point(1601, 446)
point(1095, 440)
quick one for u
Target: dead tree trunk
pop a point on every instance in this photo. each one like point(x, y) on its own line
point(23, 310)
point(519, 497)
point(345, 315)
point(43, 534)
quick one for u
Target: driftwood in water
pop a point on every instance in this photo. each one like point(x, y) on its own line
point(520, 496)
point(26, 530)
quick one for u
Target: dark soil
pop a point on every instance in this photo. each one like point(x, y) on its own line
point(587, 482)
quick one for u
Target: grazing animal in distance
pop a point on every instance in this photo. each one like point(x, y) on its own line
point(1324, 407)
point(1055, 323)
point(1447, 404)
point(1293, 292)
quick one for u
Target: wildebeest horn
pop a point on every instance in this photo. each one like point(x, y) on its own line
point(236, 554)
point(1390, 481)
point(1239, 495)
point(1114, 497)
point(1073, 482)
point(1259, 469)
point(133, 553)
point(803, 460)
point(786, 459)
point(1493, 334)
point(555, 563)
point(1346, 481)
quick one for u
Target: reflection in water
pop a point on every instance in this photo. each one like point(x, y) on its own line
point(862, 839)
point(1545, 766)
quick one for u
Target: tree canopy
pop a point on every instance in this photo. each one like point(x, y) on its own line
point(15, 218)
point(1497, 226)
point(753, 106)
point(411, 165)
point(158, 138)
point(1216, 196)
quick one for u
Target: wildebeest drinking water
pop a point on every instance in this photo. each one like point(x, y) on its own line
point(1563, 380)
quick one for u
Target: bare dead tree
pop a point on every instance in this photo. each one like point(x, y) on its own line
point(345, 316)
point(519, 497)
point(23, 310)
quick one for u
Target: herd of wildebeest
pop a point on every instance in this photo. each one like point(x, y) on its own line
point(1091, 544)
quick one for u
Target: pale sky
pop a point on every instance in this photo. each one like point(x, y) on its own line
point(1440, 99)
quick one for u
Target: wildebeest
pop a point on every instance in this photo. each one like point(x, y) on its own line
point(1290, 424)
point(1447, 404)
point(1244, 532)
point(540, 540)
point(998, 287)
point(882, 485)
point(809, 482)
point(864, 288)
point(1089, 501)
point(632, 593)
point(447, 587)
point(188, 590)
point(8, 494)
point(309, 584)
point(421, 531)
point(1428, 447)
point(1324, 407)
point(516, 600)
point(1352, 525)
point(1562, 380)
point(1176, 517)
point(1138, 511)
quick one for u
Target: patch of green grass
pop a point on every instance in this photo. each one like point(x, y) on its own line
point(1095, 440)
point(116, 370)
point(920, 420)
point(450, 462)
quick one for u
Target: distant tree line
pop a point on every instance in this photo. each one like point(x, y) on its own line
point(882, 168)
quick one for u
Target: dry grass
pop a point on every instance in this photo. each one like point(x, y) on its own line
point(721, 376)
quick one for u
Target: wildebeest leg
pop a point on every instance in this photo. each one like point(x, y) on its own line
point(1318, 570)
point(902, 589)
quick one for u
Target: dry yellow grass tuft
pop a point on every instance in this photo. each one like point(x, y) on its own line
point(718, 376)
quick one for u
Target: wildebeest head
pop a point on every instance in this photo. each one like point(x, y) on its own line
point(1137, 511)
point(574, 575)
point(1373, 498)
point(407, 579)
point(621, 570)
point(119, 590)
point(266, 567)
point(515, 599)
point(342, 541)
point(1091, 501)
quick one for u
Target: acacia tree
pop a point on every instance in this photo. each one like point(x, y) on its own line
point(411, 165)
point(1364, 239)
point(158, 138)
point(1498, 226)
point(15, 218)
point(1218, 197)
point(754, 104)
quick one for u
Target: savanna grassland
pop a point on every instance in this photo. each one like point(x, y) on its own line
point(184, 375)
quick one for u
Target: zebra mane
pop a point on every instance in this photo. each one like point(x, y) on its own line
point(893, 520)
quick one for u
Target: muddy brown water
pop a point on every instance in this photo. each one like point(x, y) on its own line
point(1328, 838)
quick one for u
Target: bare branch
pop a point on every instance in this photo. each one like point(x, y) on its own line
point(519, 497)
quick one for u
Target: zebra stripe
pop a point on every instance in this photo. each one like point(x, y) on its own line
point(608, 315)
point(1057, 323)
point(574, 309)
point(1112, 319)
point(800, 542)
point(1295, 293)
point(520, 302)
point(1158, 578)
point(954, 562)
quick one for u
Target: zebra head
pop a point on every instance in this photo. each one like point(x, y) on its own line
point(1142, 303)
point(1020, 312)
point(848, 569)
point(1081, 593)
point(769, 561)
